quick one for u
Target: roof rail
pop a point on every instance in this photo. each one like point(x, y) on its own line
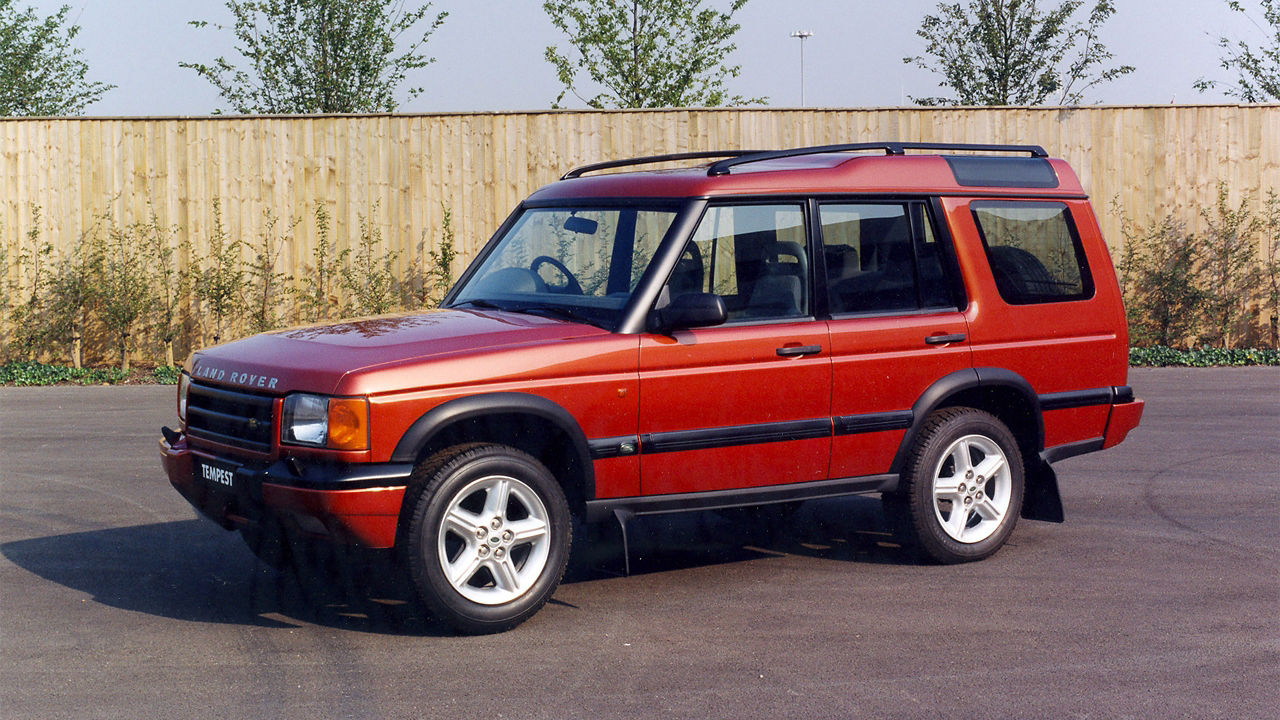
point(582, 170)
point(889, 148)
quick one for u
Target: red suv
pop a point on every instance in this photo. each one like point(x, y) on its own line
point(935, 323)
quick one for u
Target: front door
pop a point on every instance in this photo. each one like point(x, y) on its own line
point(747, 403)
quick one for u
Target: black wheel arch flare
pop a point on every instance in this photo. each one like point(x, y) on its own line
point(452, 414)
point(969, 382)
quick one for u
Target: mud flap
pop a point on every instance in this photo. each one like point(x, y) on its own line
point(1041, 500)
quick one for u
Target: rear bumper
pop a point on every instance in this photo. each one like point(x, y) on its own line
point(353, 504)
point(1124, 417)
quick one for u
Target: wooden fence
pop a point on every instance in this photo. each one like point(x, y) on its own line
point(402, 171)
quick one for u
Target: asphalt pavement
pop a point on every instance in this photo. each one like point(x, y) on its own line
point(1159, 596)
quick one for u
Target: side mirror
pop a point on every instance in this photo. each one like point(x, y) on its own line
point(691, 310)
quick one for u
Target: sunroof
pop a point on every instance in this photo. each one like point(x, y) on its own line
point(987, 171)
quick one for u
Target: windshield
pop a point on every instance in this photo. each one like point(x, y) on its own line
point(579, 263)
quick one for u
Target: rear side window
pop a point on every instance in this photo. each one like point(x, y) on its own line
point(876, 264)
point(1034, 251)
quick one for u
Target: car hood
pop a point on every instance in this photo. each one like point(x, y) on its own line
point(316, 358)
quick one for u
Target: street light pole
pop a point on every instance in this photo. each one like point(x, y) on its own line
point(803, 35)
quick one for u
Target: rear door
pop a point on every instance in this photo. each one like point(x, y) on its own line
point(894, 298)
point(747, 403)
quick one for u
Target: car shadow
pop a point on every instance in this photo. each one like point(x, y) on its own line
point(852, 529)
point(189, 570)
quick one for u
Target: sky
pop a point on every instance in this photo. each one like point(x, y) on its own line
point(489, 53)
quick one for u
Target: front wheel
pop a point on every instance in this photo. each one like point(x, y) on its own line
point(488, 538)
point(964, 485)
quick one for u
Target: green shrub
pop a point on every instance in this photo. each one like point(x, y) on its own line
point(167, 374)
point(29, 320)
point(1159, 278)
point(220, 281)
point(368, 274)
point(1161, 356)
point(318, 296)
point(24, 372)
point(125, 286)
point(1229, 270)
point(270, 290)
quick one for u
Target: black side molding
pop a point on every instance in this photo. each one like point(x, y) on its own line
point(686, 502)
point(604, 448)
point(873, 422)
point(704, 439)
point(1070, 450)
point(1118, 395)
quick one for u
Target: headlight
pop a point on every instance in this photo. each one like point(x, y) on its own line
point(306, 420)
point(184, 383)
point(319, 421)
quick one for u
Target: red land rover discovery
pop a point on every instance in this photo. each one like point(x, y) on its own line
point(767, 328)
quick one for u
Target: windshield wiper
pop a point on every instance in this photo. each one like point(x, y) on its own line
point(559, 312)
point(482, 304)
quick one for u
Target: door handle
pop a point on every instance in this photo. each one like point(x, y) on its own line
point(798, 350)
point(944, 339)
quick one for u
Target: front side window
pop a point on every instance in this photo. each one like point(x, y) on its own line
point(577, 262)
point(753, 256)
point(1034, 251)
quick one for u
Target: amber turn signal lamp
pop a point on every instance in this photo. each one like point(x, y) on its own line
point(348, 424)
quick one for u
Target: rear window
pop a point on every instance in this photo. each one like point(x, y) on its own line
point(1034, 251)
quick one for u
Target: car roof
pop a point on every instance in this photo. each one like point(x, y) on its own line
point(801, 171)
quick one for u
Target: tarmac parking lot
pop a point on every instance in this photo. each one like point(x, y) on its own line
point(1159, 596)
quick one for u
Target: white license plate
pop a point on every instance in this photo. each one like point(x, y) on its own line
point(221, 476)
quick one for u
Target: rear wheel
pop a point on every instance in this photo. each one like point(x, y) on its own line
point(488, 537)
point(964, 485)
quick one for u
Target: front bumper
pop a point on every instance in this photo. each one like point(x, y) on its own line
point(347, 503)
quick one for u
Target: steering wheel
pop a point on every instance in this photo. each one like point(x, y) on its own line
point(570, 286)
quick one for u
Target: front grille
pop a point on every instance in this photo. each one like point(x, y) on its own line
point(238, 419)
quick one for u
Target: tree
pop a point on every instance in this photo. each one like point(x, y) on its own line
point(1010, 52)
point(646, 53)
point(319, 56)
point(1159, 277)
point(1271, 262)
point(1231, 271)
point(40, 72)
point(1258, 71)
point(126, 291)
point(220, 282)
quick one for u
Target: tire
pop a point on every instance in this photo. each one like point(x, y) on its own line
point(487, 539)
point(964, 485)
